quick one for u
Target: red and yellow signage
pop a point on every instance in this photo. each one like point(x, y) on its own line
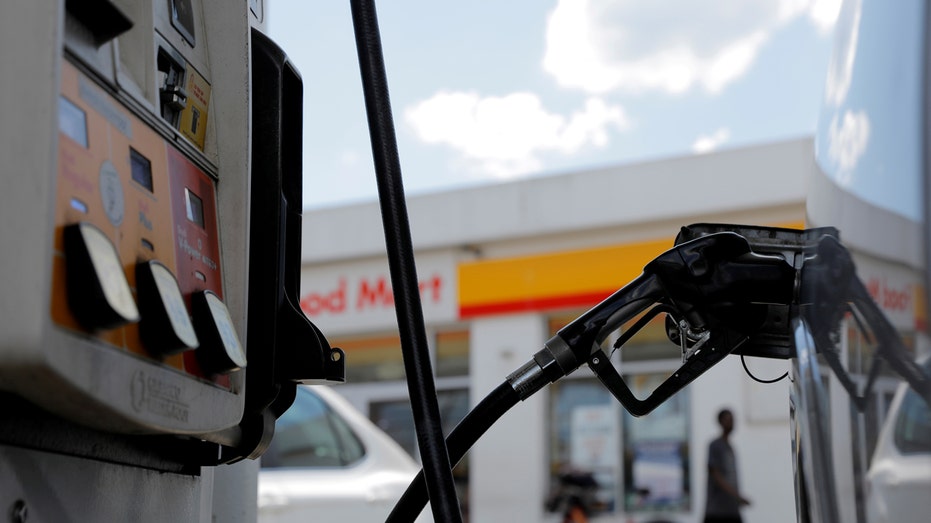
point(568, 279)
point(551, 281)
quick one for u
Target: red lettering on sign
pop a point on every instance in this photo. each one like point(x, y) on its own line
point(333, 301)
point(374, 293)
point(377, 295)
point(430, 289)
point(888, 298)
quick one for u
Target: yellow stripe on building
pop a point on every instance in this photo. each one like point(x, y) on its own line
point(554, 280)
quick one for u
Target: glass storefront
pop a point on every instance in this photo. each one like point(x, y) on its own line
point(374, 358)
point(377, 358)
point(641, 465)
point(656, 452)
point(452, 353)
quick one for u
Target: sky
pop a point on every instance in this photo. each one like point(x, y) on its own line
point(489, 91)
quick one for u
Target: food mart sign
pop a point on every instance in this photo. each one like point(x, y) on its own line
point(358, 296)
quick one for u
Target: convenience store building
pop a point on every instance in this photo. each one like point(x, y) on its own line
point(501, 268)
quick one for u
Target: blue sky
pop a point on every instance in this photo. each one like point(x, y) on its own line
point(487, 91)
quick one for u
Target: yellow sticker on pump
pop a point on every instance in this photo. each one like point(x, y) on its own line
point(193, 123)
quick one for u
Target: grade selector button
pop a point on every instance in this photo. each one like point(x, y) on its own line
point(220, 351)
point(98, 293)
point(165, 327)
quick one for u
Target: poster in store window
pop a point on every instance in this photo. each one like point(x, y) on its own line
point(595, 435)
point(657, 472)
point(656, 449)
point(595, 432)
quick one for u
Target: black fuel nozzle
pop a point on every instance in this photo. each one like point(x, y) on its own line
point(773, 338)
point(711, 282)
point(715, 287)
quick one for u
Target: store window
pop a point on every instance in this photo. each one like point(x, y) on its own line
point(397, 420)
point(640, 465)
point(656, 451)
point(452, 353)
point(379, 358)
point(372, 358)
point(584, 440)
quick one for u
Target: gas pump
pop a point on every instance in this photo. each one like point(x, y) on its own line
point(150, 221)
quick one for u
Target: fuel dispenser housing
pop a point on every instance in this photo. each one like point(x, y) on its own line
point(134, 358)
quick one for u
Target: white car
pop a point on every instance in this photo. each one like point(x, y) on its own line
point(328, 462)
point(899, 478)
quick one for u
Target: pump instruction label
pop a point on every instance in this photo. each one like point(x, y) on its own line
point(194, 116)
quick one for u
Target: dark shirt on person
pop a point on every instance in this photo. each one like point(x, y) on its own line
point(720, 505)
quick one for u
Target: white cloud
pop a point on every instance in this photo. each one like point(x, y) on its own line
point(571, 57)
point(709, 142)
point(504, 136)
point(732, 61)
point(847, 141)
point(670, 46)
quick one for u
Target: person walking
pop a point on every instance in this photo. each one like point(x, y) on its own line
point(724, 500)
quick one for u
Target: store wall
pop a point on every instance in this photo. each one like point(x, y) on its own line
point(508, 472)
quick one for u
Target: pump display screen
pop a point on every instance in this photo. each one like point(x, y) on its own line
point(141, 169)
point(195, 207)
point(72, 121)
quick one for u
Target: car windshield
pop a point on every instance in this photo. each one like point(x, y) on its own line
point(311, 434)
point(913, 424)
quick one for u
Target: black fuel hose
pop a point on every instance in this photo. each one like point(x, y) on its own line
point(554, 361)
point(416, 356)
point(460, 440)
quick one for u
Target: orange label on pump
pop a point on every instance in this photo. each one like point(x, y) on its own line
point(146, 197)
